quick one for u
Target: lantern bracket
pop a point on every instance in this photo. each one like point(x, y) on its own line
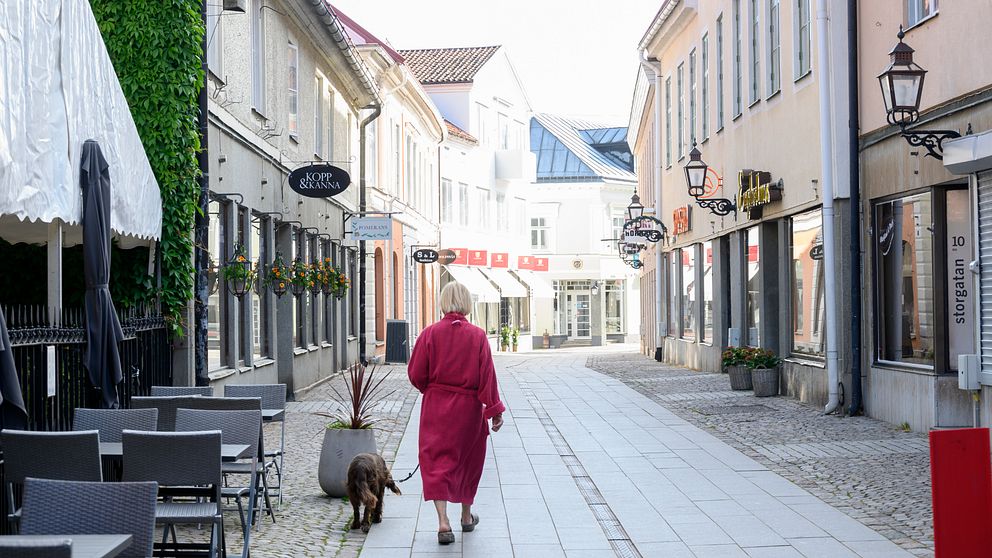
point(931, 140)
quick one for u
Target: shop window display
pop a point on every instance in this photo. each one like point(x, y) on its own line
point(689, 293)
point(752, 311)
point(807, 289)
point(707, 263)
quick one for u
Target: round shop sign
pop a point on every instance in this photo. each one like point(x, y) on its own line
point(319, 181)
point(425, 256)
point(446, 257)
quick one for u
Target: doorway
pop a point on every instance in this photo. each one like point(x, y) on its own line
point(577, 319)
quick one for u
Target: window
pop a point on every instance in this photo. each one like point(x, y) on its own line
point(329, 258)
point(484, 203)
point(520, 210)
point(707, 329)
point(538, 233)
point(504, 130)
point(680, 122)
point(463, 204)
point(738, 78)
point(260, 252)
point(689, 293)
point(674, 291)
point(447, 202)
point(774, 47)
point(617, 222)
point(257, 60)
point(293, 85)
point(217, 288)
point(705, 101)
point(801, 64)
point(613, 289)
point(752, 311)
point(314, 257)
point(480, 122)
point(904, 250)
point(409, 173)
point(352, 310)
point(692, 98)
point(719, 72)
point(668, 121)
point(755, 53)
point(808, 286)
point(299, 302)
point(397, 167)
point(502, 213)
point(919, 10)
point(215, 41)
point(329, 118)
point(318, 117)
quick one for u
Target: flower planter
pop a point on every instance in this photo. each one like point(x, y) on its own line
point(765, 381)
point(740, 378)
point(340, 446)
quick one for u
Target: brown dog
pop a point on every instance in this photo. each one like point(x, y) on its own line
point(368, 479)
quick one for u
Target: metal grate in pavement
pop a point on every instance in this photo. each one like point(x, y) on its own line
point(620, 541)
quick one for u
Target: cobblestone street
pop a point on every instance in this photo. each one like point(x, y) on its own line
point(870, 470)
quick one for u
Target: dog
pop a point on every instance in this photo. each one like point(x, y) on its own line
point(368, 479)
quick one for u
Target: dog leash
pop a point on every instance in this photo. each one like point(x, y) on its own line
point(414, 472)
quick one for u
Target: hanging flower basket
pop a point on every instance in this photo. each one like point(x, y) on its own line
point(326, 275)
point(277, 276)
point(316, 278)
point(340, 283)
point(239, 272)
point(299, 277)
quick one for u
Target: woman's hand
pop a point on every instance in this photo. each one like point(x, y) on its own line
point(497, 422)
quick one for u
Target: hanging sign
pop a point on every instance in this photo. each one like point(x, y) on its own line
point(319, 181)
point(540, 264)
point(372, 228)
point(478, 257)
point(499, 259)
point(756, 190)
point(446, 257)
point(525, 262)
point(816, 252)
point(461, 256)
point(425, 256)
point(681, 219)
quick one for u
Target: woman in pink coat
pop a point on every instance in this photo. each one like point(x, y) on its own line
point(453, 367)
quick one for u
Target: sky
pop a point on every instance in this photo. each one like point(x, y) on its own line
point(575, 57)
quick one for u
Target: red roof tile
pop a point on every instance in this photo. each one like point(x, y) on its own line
point(457, 132)
point(448, 65)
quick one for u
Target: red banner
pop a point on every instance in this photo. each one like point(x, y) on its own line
point(478, 257)
point(540, 264)
point(461, 256)
point(525, 262)
point(497, 259)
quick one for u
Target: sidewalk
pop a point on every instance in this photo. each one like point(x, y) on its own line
point(587, 467)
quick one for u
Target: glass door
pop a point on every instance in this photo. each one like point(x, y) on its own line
point(578, 309)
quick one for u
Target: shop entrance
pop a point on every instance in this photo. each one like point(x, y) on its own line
point(577, 320)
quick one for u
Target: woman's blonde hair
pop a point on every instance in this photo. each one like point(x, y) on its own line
point(455, 297)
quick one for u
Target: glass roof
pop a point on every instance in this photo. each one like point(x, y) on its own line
point(554, 160)
point(597, 136)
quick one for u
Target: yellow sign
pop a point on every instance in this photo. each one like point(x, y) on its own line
point(756, 190)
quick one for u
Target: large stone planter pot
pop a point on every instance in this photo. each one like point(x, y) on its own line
point(765, 381)
point(340, 446)
point(740, 377)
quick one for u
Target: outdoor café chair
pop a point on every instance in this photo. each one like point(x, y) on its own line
point(173, 391)
point(273, 397)
point(166, 408)
point(73, 456)
point(55, 548)
point(53, 507)
point(184, 464)
point(111, 422)
point(237, 427)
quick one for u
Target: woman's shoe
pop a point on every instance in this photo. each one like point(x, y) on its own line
point(468, 527)
point(445, 537)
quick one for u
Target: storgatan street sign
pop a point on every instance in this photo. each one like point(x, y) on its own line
point(756, 190)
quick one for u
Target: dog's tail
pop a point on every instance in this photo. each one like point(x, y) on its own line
point(365, 494)
point(392, 485)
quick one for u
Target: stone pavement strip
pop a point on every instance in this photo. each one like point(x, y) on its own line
point(588, 467)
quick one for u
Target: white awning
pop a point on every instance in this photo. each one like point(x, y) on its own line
point(508, 286)
point(71, 94)
point(480, 287)
point(538, 285)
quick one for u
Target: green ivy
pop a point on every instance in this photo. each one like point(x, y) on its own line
point(156, 50)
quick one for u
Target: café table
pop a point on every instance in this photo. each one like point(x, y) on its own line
point(83, 546)
point(228, 452)
point(269, 415)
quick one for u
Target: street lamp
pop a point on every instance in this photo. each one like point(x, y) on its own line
point(695, 172)
point(595, 288)
point(902, 91)
point(635, 210)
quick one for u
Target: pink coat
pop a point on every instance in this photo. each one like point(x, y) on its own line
point(453, 367)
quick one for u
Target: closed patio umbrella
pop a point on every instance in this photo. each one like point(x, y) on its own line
point(13, 414)
point(103, 330)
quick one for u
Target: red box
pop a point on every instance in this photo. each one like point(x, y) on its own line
point(461, 256)
point(478, 257)
point(961, 484)
point(540, 264)
point(525, 262)
point(499, 259)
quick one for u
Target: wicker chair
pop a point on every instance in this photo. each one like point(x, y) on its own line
point(71, 456)
point(273, 397)
point(166, 408)
point(111, 422)
point(175, 391)
point(92, 508)
point(54, 548)
point(183, 464)
point(237, 427)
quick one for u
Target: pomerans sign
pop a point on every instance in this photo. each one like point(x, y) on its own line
point(319, 181)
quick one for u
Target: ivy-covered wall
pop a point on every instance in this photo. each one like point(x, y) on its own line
point(156, 51)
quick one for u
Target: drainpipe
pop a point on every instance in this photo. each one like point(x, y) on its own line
point(653, 66)
point(201, 229)
point(826, 170)
point(855, 179)
point(376, 107)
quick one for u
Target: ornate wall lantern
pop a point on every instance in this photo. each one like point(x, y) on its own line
point(635, 210)
point(695, 178)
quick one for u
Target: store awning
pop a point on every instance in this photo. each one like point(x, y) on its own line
point(71, 94)
point(480, 287)
point(508, 286)
point(538, 285)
